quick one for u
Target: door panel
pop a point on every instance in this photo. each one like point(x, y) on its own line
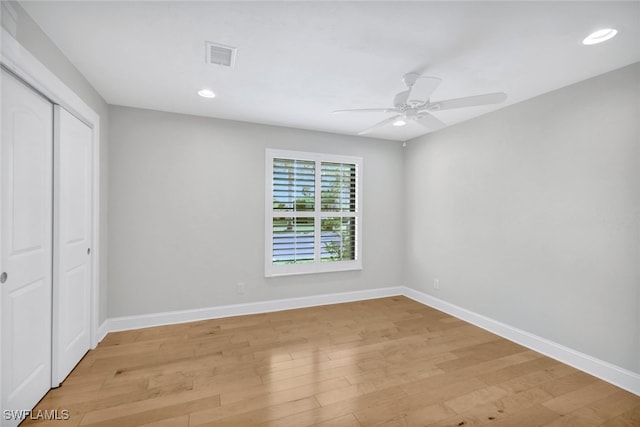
point(29, 214)
point(24, 301)
point(26, 245)
point(72, 242)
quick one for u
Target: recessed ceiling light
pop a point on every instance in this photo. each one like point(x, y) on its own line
point(399, 122)
point(206, 93)
point(600, 36)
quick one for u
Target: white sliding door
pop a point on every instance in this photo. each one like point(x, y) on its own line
point(72, 242)
point(26, 245)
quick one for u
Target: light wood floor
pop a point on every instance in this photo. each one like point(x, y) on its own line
point(390, 361)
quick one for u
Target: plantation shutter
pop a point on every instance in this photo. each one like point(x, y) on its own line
point(293, 192)
point(313, 213)
point(338, 197)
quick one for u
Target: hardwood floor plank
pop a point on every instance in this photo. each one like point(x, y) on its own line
point(631, 418)
point(181, 421)
point(342, 408)
point(287, 394)
point(154, 409)
point(463, 403)
point(568, 383)
point(569, 402)
point(536, 378)
point(268, 413)
point(529, 417)
point(344, 421)
point(405, 412)
point(611, 406)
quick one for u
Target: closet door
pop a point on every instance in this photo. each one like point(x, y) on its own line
point(26, 245)
point(72, 242)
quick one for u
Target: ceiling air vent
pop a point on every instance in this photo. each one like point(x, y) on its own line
point(220, 54)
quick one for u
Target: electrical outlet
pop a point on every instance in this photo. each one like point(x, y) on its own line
point(240, 288)
point(436, 283)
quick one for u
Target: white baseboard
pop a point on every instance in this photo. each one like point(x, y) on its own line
point(613, 374)
point(183, 316)
point(102, 332)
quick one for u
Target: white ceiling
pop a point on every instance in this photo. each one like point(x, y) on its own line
point(299, 61)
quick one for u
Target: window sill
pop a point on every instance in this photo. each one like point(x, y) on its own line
point(295, 270)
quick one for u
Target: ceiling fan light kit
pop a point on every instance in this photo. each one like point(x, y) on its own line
point(206, 93)
point(600, 36)
point(414, 104)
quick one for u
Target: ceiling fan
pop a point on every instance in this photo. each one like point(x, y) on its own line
point(414, 104)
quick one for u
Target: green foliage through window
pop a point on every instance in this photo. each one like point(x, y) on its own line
point(338, 239)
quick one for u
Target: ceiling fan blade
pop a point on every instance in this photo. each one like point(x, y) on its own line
point(422, 89)
point(430, 121)
point(369, 110)
point(380, 124)
point(469, 101)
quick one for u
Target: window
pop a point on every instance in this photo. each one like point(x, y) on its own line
point(313, 213)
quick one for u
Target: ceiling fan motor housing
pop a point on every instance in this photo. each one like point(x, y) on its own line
point(409, 79)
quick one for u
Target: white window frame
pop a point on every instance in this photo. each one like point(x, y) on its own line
point(317, 266)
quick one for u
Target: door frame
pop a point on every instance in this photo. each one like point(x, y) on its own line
point(18, 60)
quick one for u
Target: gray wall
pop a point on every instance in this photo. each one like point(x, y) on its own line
point(32, 38)
point(531, 216)
point(187, 214)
